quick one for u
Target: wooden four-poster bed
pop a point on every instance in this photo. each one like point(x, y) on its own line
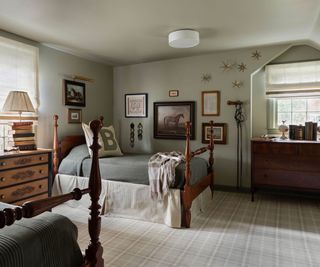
point(188, 191)
point(93, 254)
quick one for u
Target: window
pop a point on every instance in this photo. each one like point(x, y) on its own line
point(293, 92)
point(18, 71)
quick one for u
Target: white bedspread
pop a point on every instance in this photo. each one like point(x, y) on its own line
point(131, 201)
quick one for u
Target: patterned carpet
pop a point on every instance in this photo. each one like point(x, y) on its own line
point(272, 231)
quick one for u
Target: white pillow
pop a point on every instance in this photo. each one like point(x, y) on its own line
point(107, 140)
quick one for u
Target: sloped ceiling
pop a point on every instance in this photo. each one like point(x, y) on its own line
point(121, 32)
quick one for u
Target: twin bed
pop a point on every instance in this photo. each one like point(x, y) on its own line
point(125, 190)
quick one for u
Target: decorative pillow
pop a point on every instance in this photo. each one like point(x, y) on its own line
point(107, 141)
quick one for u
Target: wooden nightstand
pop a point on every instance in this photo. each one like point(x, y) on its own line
point(25, 176)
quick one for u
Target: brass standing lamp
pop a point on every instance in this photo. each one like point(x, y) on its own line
point(18, 101)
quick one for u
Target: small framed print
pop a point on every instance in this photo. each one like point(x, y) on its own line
point(210, 103)
point(173, 93)
point(136, 105)
point(74, 115)
point(219, 133)
point(75, 93)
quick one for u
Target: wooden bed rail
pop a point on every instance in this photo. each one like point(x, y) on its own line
point(33, 208)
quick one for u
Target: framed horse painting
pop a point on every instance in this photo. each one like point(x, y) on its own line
point(75, 93)
point(170, 118)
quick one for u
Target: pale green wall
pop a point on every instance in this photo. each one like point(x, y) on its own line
point(259, 103)
point(53, 68)
point(157, 78)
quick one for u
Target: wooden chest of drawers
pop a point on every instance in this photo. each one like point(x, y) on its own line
point(25, 176)
point(291, 165)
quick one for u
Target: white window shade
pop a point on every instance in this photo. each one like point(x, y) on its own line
point(291, 79)
point(18, 72)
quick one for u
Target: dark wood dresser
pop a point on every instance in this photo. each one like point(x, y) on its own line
point(25, 176)
point(290, 165)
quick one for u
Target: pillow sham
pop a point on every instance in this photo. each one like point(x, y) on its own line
point(107, 140)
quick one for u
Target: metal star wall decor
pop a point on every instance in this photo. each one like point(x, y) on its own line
point(256, 55)
point(226, 66)
point(237, 84)
point(242, 67)
point(206, 77)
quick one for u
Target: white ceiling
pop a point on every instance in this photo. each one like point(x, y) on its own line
point(131, 31)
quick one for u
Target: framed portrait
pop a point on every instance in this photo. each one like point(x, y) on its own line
point(210, 101)
point(170, 117)
point(75, 93)
point(219, 133)
point(173, 93)
point(136, 105)
point(74, 115)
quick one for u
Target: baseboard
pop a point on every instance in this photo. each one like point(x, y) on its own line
point(229, 188)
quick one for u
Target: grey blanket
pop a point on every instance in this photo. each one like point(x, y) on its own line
point(130, 168)
point(48, 240)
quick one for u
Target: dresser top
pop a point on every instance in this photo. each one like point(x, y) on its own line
point(286, 141)
point(23, 153)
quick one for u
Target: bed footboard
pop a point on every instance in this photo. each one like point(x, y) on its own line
point(190, 192)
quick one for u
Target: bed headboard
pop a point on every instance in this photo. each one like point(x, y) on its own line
point(62, 148)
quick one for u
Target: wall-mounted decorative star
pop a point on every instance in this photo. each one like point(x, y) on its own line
point(226, 66)
point(242, 67)
point(256, 55)
point(237, 84)
point(206, 77)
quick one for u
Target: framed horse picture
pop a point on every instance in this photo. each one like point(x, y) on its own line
point(75, 93)
point(170, 118)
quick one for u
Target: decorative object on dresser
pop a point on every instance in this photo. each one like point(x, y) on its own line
point(210, 102)
point(170, 118)
point(285, 164)
point(219, 133)
point(136, 105)
point(300, 132)
point(74, 115)
point(25, 176)
point(283, 129)
point(75, 93)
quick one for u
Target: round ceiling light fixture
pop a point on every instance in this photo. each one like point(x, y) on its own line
point(184, 38)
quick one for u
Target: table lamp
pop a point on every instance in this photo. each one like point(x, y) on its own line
point(18, 101)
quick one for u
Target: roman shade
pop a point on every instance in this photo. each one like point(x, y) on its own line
point(293, 79)
point(18, 72)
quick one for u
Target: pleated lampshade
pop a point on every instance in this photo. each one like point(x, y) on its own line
point(18, 101)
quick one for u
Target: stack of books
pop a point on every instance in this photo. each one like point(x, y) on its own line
point(300, 132)
point(23, 135)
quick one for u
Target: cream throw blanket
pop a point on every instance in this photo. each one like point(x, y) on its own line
point(161, 169)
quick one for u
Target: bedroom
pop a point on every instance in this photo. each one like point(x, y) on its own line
point(125, 51)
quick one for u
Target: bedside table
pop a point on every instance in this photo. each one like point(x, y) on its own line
point(25, 176)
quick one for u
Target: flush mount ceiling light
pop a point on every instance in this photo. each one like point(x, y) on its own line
point(184, 38)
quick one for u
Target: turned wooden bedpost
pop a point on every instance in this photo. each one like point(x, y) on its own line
point(186, 194)
point(55, 159)
point(211, 160)
point(93, 254)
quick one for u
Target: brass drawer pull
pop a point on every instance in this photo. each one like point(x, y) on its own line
point(2, 196)
point(3, 163)
point(2, 179)
point(41, 158)
point(40, 171)
point(40, 186)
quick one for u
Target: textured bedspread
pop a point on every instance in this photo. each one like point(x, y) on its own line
point(46, 240)
point(132, 168)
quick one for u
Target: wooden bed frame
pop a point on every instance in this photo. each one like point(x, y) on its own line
point(93, 254)
point(188, 194)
